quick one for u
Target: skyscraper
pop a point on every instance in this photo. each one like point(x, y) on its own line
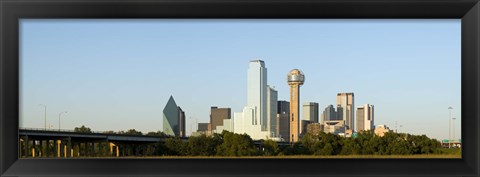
point(310, 111)
point(257, 91)
point(283, 120)
point(295, 79)
point(217, 115)
point(181, 122)
point(283, 107)
point(345, 109)
point(365, 118)
point(173, 119)
point(329, 114)
point(272, 99)
point(310, 115)
point(253, 119)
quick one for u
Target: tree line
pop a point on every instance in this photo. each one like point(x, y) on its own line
point(367, 143)
point(322, 144)
point(84, 129)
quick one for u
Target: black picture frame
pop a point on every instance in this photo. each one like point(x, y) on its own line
point(13, 10)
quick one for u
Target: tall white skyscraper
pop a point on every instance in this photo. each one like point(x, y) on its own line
point(257, 91)
point(253, 119)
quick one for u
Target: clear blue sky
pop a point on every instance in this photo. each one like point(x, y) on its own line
point(118, 74)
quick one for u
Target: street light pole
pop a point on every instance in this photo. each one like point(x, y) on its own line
point(59, 115)
point(45, 115)
point(449, 126)
point(453, 129)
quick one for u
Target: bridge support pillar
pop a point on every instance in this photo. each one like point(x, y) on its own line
point(33, 148)
point(93, 149)
point(47, 148)
point(62, 148)
point(41, 153)
point(118, 151)
point(86, 149)
point(58, 145)
point(144, 150)
point(25, 146)
point(68, 150)
point(110, 148)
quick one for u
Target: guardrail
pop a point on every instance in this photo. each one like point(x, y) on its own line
point(63, 130)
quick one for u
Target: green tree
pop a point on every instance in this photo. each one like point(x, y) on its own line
point(326, 150)
point(82, 129)
point(175, 146)
point(270, 148)
point(157, 133)
point(350, 147)
point(236, 145)
point(132, 132)
point(200, 146)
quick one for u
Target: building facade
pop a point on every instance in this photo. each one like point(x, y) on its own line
point(217, 115)
point(283, 107)
point(283, 120)
point(295, 79)
point(329, 114)
point(365, 118)
point(272, 98)
point(253, 118)
point(202, 127)
point(380, 130)
point(345, 109)
point(173, 119)
point(310, 112)
point(335, 127)
point(181, 120)
point(257, 91)
point(303, 128)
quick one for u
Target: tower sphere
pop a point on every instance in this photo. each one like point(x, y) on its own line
point(295, 76)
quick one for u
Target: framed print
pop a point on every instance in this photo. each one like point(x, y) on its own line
point(239, 88)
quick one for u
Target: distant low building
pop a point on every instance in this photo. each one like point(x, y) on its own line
point(380, 130)
point(217, 115)
point(304, 124)
point(227, 126)
point(348, 133)
point(203, 128)
point(335, 127)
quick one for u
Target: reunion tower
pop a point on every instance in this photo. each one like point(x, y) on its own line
point(295, 79)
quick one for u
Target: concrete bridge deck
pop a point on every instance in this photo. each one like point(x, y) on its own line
point(67, 143)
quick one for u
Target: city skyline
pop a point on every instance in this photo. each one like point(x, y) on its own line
point(126, 85)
